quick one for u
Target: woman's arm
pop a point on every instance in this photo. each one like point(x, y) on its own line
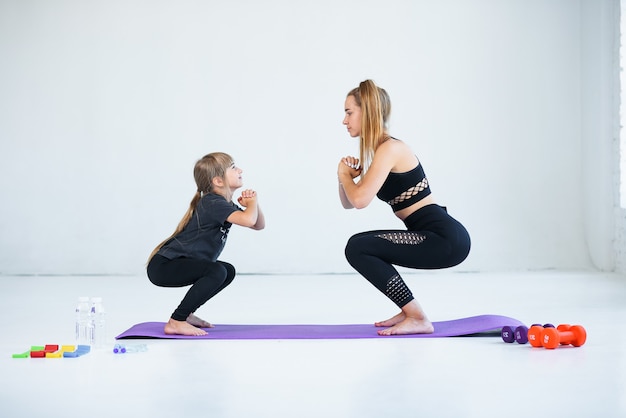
point(361, 193)
point(344, 199)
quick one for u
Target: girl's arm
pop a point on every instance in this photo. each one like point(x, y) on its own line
point(251, 216)
point(260, 220)
point(247, 217)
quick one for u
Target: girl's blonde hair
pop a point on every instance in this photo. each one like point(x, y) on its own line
point(375, 109)
point(206, 169)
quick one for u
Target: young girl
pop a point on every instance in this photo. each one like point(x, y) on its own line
point(389, 170)
point(189, 255)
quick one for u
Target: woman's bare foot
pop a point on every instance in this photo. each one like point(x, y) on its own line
point(174, 327)
point(391, 321)
point(409, 326)
point(198, 322)
point(411, 320)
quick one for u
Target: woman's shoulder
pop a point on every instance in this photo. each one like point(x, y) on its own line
point(399, 154)
point(394, 144)
point(395, 147)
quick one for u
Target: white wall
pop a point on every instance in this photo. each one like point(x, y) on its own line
point(106, 106)
point(619, 145)
point(599, 122)
point(620, 240)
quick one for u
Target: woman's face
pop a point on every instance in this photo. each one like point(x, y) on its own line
point(352, 120)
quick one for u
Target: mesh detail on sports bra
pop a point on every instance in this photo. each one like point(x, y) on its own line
point(419, 187)
point(401, 190)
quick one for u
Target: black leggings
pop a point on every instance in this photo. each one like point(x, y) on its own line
point(207, 279)
point(433, 240)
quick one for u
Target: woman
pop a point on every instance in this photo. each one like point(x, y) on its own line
point(388, 169)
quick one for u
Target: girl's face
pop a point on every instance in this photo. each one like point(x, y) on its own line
point(352, 120)
point(233, 177)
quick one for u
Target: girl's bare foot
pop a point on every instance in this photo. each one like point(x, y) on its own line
point(391, 321)
point(409, 326)
point(174, 327)
point(198, 322)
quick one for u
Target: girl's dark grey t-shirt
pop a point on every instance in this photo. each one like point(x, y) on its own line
point(205, 235)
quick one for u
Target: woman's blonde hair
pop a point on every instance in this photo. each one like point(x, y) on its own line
point(206, 169)
point(375, 109)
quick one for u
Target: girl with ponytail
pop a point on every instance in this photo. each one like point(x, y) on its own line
point(189, 255)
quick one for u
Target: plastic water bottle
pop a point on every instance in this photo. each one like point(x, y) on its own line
point(83, 324)
point(98, 323)
point(135, 348)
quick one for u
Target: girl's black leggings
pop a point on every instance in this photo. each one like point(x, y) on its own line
point(207, 279)
point(433, 240)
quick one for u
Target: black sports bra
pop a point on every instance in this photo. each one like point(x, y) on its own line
point(401, 190)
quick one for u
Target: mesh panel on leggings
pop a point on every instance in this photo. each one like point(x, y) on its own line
point(403, 237)
point(397, 291)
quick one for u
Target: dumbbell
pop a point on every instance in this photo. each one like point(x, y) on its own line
point(519, 334)
point(563, 335)
point(533, 335)
point(508, 333)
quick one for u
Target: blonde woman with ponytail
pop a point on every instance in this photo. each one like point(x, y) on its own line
point(388, 169)
point(189, 256)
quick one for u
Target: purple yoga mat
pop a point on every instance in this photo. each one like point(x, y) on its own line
point(454, 328)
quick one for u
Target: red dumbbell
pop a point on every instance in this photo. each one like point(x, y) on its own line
point(533, 335)
point(563, 335)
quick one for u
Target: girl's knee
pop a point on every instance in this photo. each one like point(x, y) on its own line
point(230, 269)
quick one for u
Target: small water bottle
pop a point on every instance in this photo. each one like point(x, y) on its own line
point(136, 348)
point(83, 324)
point(123, 348)
point(98, 323)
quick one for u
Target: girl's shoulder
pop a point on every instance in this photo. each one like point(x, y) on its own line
point(216, 202)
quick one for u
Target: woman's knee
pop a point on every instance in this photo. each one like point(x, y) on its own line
point(356, 247)
point(352, 248)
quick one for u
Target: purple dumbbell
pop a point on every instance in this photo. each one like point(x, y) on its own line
point(508, 333)
point(519, 334)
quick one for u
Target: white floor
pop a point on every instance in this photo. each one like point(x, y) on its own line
point(447, 377)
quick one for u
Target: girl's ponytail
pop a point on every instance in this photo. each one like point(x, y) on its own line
point(182, 224)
